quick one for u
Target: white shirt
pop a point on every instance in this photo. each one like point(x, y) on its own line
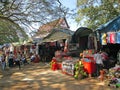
point(98, 58)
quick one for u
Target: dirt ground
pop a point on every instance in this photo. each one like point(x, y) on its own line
point(38, 76)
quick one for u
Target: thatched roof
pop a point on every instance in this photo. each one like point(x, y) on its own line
point(56, 35)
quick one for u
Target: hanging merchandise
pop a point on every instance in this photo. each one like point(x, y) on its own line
point(108, 37)
point(113, 37)
point(104, 39)
point(95, 43)
point(91, 42)
point(118, 38)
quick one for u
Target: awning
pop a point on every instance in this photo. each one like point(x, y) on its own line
point(111, 26)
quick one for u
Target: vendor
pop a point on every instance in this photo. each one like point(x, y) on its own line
point(99, 62)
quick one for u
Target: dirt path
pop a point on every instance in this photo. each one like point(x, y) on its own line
point(40, 77)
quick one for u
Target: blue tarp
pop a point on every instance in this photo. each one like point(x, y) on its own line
point(112, 25)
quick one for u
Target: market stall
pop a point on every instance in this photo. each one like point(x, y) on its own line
point(108, 35)
point(88, 61)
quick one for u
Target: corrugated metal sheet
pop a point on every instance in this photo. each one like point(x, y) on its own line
point(80, 32)
point(112, 25)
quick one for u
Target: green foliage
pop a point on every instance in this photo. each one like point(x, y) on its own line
point(10, 31)
point(27, 12)
point(97, 12)
point(18, 17)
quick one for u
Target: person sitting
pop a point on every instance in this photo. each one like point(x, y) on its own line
point(17, 62)
point(32, 58)
point(24, 60)
point(37, 58)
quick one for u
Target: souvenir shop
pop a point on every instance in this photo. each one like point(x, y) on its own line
point(84, 67)
point(109, 37)
point(110, 42)
point(77, 67)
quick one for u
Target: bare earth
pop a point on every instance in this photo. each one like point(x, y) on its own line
point(38, 76)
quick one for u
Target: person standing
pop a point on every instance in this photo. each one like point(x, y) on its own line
point(10, 59)
point(99, 62)
point(18, 59)
point(3, 62)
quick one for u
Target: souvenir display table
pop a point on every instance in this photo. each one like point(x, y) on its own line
point(114, 77)
point(68, 67)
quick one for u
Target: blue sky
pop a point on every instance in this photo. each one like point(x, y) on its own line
point(71, 4)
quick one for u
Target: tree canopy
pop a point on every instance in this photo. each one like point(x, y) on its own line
point(25, 13)
point(10, 31)
point(97, 12)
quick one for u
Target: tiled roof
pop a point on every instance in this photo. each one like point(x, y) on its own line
point(48, 27)
point(52, 25)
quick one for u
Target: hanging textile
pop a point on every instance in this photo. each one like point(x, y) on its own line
point(108, 37)
point(91, 42)
point(104, 39)
point(95, 43)
point(113, 37)
point(118, 37)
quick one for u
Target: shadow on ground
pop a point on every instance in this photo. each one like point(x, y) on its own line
point(40, 77)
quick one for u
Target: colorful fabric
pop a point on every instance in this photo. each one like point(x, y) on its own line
point(104, 39)
point(108, 37)
point(118, 37)
point(113, 37)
